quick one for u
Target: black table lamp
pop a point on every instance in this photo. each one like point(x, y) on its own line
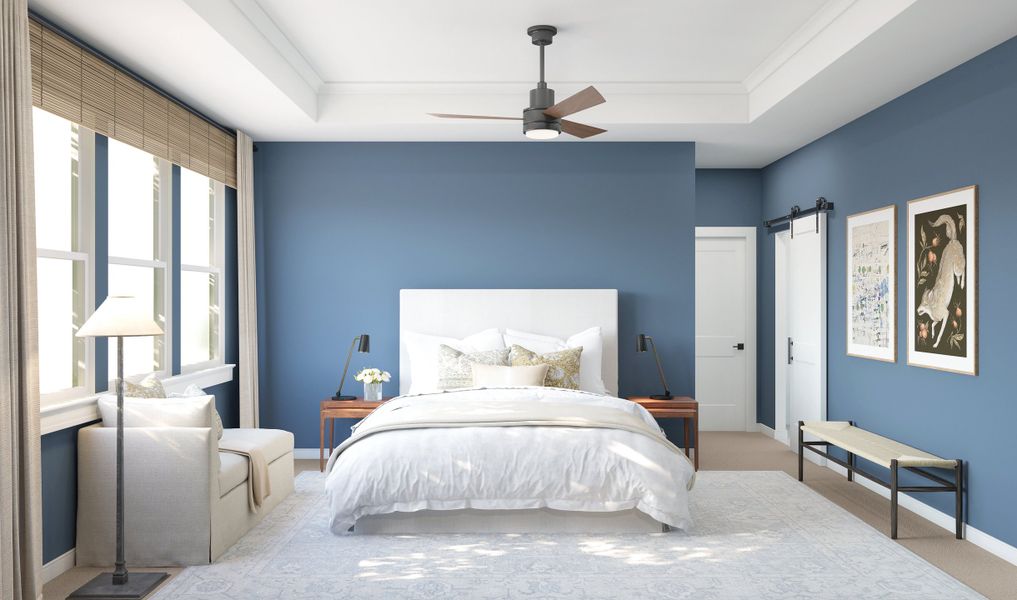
point(641, 347)
point(363, 344)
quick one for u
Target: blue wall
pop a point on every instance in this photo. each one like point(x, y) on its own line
point(729, 197)
point(956, 130)
point(60, 448)
point(344, 226)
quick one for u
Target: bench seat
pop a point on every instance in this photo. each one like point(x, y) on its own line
point(873, 447)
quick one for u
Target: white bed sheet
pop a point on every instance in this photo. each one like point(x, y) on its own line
point(508, 468)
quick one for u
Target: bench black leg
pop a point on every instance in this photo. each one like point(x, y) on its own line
point(958, 473)
point(851, 460)
point(801, 452)
point(893, 499)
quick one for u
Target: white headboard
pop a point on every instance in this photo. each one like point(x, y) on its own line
point(561, 313)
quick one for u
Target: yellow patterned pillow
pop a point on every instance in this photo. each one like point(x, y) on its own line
point(562, 366)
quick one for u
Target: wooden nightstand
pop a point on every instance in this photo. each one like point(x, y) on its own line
point(341, 409)
point(679, 407)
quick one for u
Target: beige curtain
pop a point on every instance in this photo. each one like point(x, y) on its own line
point(20, 475)
point(247, 294)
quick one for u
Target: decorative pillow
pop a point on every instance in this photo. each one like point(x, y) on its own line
point(591, 363)
point(422, 351)
point(499, 376)
point(194, 391)
point(563, 366)
point(455, 368)
point(149, 387)
point(158, 412)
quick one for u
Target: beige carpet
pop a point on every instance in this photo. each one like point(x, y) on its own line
point(985, 573)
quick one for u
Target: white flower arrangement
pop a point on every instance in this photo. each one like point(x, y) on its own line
point(373, 375)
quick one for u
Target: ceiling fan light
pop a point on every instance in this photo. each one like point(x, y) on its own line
point(542, 134)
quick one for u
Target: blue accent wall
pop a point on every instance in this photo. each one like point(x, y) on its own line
point(959, 129)
point(342, 227)
point(729, 197)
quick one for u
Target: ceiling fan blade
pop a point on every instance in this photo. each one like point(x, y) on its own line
point(581, 100)
point(579, 130)
point(449, 116)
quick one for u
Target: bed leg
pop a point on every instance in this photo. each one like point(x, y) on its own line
point(851, 460)
point(801, 451)
point(958, 473)
point(893, 499)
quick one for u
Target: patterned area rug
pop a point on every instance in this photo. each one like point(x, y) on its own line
point(757, 535)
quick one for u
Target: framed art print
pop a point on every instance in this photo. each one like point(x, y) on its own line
point(872, 284)
point(943, 281)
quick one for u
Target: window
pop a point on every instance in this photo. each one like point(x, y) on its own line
point(139, 249)
point(201, 260)
point(63, 167)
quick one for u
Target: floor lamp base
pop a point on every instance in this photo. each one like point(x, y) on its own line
point(138, 586)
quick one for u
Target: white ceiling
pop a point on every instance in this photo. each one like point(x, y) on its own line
point(748, 80)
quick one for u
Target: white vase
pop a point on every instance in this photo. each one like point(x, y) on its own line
point(372, 392)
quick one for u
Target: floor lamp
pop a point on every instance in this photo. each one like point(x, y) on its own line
point(120, 317)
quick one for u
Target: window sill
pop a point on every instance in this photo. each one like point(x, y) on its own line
point(71, 413)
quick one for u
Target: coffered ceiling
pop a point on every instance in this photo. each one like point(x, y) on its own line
point(748, 80)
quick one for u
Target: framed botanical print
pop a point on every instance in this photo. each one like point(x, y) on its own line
point(943, 281)
point(872, 284)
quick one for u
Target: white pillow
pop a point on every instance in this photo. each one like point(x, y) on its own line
point(591, 361)
point(498, 376)
point(158, 412)
point(422, 350)
point(195, 391)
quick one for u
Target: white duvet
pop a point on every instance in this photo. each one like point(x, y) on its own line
point(592, 453)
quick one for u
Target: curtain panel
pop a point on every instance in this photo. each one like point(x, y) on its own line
point(247, 292)
point(20, 439)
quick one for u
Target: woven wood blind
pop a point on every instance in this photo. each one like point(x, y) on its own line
point(72, 82)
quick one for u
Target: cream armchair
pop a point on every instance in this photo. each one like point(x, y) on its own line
point(185, 503)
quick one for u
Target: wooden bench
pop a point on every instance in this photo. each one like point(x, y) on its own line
point(887, 453)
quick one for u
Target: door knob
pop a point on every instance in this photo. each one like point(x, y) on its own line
point(739, 346)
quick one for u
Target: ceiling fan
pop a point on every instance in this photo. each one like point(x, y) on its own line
point(543, 120)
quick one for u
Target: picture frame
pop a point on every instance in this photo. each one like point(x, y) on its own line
point(942, 264)
point(872, 284)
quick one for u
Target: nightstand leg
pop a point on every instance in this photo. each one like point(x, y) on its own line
point(685, 437)
point(321, 448)
point(695, 429)
point(331, 435)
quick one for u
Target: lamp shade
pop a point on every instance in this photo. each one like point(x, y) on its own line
point(641, 342)
point(365, 343)
point(120, 316)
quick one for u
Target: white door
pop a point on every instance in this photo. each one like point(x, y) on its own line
point(801, 327)
point(725, 328)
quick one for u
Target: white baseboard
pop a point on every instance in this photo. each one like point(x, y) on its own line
point(975, 536)
point(770, 432)
point(58, 566)
point(307, 453)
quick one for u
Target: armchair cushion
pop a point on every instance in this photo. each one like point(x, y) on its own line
point(232, 472)
point(273, 443)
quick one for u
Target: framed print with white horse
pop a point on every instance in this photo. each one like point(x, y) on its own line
point(943, 281)
point(872, 284)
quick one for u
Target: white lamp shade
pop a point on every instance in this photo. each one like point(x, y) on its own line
point(120, 316)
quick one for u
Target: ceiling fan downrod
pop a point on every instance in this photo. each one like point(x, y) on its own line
point(536, 124)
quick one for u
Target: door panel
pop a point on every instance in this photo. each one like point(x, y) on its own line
point(720, 326)
point(804, 319)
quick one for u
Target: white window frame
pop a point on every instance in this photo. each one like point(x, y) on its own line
point(165, 233)
point(86, 235)
point(217, 268)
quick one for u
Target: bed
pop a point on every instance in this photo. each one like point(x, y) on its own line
point(508, 459)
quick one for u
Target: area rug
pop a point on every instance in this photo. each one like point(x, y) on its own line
point(756, 535)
